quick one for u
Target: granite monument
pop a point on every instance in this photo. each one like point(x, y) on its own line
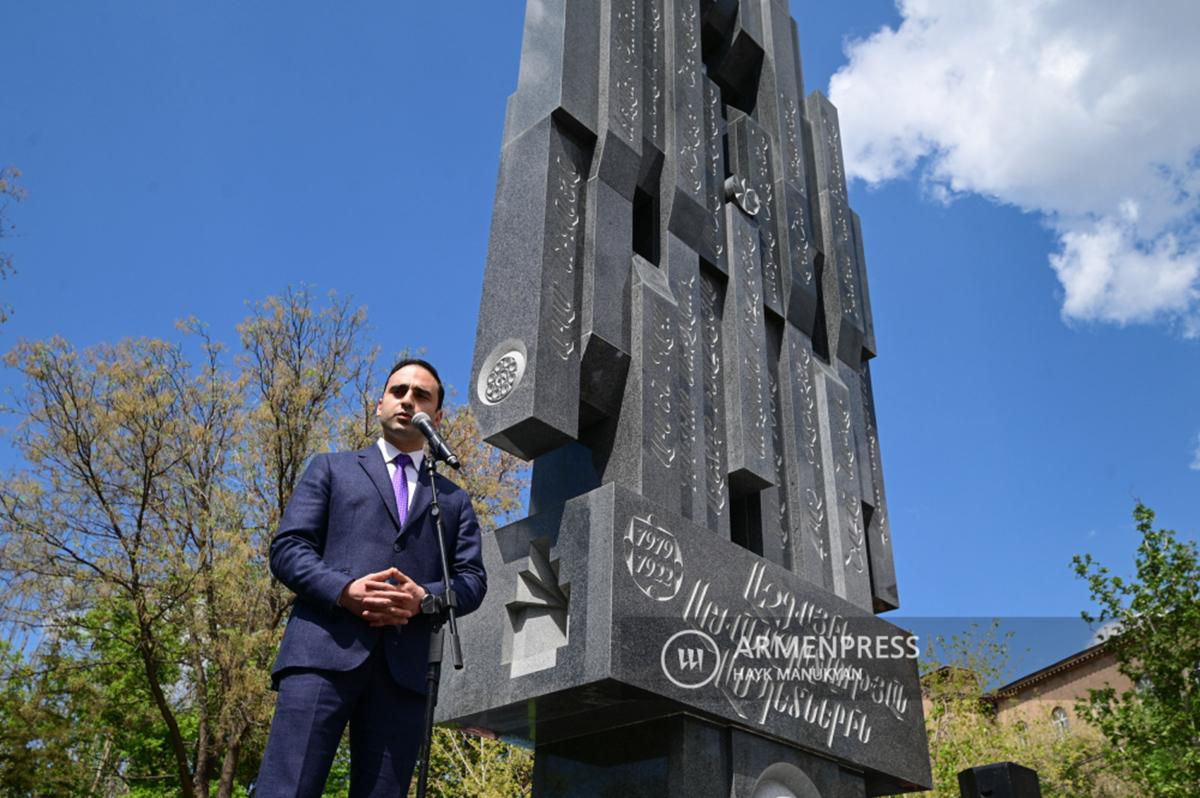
point(676, 330)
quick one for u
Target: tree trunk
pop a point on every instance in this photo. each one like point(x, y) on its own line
point(174, 736)
point(202, 731)
point(102, 767)
point(229, 763)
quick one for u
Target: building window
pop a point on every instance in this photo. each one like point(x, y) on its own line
point(1060, 720)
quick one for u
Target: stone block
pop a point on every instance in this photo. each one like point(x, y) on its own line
point(685, 757)
point(564, 473)
point(880, 568)
point(775, 541)
point(843, 493)
point(860, 258)
point(799, 61)
point(796, 228)
point(682, 266)
point(852, 379)
point(646, 454)
point(884, 591)
point(526, 365)
point(560, 59)
point(718, 18)
point(743, 330)
point(765, 767)
point(778, 105)
point(999, 780)
point(604, 306)
point(712, 244)
point(654, 75)
point(716, 460)
point(619, 145)
point(683, 205)
point(737, 60)
point(811, 555)
point(750, 156)
point(840, 291)
point(631, 761)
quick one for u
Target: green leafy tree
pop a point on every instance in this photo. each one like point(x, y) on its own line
point(470, 766)
point(42, 748)
point(1154, 728)
point(92, 523)
point(463, 765)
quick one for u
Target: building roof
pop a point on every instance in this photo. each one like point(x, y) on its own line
point(1078, 658)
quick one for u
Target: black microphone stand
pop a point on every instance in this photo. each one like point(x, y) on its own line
point(444, 615)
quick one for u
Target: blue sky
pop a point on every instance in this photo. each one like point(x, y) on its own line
point(1035, 291)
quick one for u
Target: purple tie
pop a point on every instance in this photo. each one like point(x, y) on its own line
point(400, 485)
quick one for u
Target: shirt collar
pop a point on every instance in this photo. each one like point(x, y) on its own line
point(390, 452)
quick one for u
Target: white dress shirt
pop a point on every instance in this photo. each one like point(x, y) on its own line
point(410, 472)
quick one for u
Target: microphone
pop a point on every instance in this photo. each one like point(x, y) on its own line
point(440, 450)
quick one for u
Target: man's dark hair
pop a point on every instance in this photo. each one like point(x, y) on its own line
point(425, 364)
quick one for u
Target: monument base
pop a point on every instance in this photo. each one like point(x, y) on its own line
point(686, 757)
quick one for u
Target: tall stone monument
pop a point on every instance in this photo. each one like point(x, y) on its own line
point(676, 330)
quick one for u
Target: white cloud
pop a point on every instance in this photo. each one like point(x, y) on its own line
point(1085, 111)
point(1108, 274)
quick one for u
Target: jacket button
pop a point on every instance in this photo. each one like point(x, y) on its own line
point(396, 547)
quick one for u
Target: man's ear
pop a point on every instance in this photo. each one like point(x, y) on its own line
point(378, 407)
point(437, 417)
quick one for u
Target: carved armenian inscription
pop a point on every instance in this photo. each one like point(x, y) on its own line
point(713, 375)
point(755, 648)
point(770, 252)
point(715, 172)
point(652, 33)
point(628, 83)
point(662, 354)
point(692, 138)
point(564, 229)
point(685, 383)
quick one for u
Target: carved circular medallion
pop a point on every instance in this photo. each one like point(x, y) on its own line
point(502, 378)
point(740, 190)
point(748, 199)
point(501, 373)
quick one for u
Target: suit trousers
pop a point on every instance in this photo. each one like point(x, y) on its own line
point(313, 708)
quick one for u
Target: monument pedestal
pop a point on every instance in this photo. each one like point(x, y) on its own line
point(686, 757)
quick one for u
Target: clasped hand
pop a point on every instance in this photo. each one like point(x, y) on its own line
point(385, 598)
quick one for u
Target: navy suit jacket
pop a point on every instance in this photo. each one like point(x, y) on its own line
point(341, 523)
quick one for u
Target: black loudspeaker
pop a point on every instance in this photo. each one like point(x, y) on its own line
point(1001, 780)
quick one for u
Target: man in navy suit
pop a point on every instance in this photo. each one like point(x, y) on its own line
point(358, 547)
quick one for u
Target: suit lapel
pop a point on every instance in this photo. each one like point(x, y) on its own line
point(421, 499)
point(371, 459)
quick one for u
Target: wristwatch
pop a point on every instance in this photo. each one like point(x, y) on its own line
point(431, 604)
